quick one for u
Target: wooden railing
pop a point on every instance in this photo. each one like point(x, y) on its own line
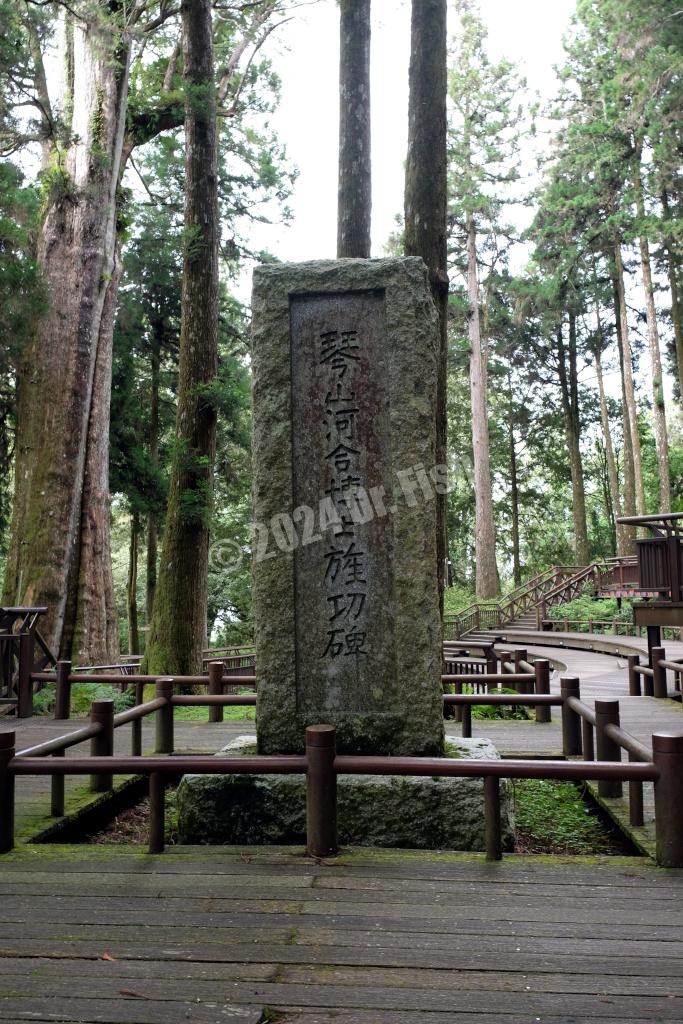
point(491, 616)
point(216, 681)
point(597, 734)
point(20, 641)
point(651, 680)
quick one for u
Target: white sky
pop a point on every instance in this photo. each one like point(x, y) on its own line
point(306, 54)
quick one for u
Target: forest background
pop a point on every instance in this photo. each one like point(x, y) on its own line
point(565, 328)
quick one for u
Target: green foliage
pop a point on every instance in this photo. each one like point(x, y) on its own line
point(552, 817)
point(586, 607)
point(22, 303)
point(82, 696)
point(493, 712)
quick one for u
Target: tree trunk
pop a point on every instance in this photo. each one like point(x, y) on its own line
point(629, 386)
point(628, 532)
point(658, 407)
point(132, 587)
point(487, 582)
point(568, 389)
point(514, 504)
point(152, 525)
point(426, 202)
point(355, 173)
point(612, 475)
point(676, 314)
point(63, 391)
point(178, 629)
point(96, 632)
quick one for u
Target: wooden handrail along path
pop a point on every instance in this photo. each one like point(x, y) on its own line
point(595, 734)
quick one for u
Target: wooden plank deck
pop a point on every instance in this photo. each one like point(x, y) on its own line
point(218, 934)
point(112, 935)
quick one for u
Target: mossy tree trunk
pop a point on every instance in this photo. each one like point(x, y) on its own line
point(673, 270)
point(628, 382)
point(59, 545)
point(132, 586)
point(426, 191)
point(152, 522)
point(569, 390)
point(610, 461)
point(658, 405)
point(628, 532)
point(178, 628)
point(355, 172)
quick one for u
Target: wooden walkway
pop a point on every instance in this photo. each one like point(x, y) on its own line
point(214, 934)
point(115, 936)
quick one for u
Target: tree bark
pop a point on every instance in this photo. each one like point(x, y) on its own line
point(152, 525)
point(178, 629)
point(63, 390)
point(628, 532)
point(569, 392)
point(486, 573)
point(676, 314)
point(514, 504)
point(629, 386)
point(612, 475)
point(426, 202)
point(355, 173)
point(658, 405)
point(132, 587)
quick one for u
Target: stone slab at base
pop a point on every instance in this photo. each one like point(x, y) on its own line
point(385, 811)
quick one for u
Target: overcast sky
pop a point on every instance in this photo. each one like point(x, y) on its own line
point(306, 54)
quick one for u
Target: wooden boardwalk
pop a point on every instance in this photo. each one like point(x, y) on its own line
point(113, 935)
point(214, 934)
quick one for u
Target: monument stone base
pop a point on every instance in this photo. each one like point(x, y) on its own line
point(386, 811)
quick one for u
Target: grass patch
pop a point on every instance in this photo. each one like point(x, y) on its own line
point(553, 817)
point(199, 714)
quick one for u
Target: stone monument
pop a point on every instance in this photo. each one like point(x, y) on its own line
point(347, 626)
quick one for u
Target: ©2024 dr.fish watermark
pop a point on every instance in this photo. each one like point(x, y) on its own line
point(307, 525)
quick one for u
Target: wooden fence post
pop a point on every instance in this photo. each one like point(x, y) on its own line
point(635, 799)
point(215, 687)
point(659, 684)
point(57, 791)
point(63, 690)
point(606, 749)
point(102, 745)
point(466, 721)
point(24, 684)
point(321, 791)
point(164, 717)
point(571, 720)
point(667, 754)
point(633, 676)
point(7, 751)
point(542, 685)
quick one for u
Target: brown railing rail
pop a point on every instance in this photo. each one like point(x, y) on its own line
point(595, 734)
point(522, 599)
point(653, 676)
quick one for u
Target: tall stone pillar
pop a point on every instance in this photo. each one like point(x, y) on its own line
point(346, 605)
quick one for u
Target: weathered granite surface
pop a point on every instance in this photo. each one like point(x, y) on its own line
point(388, 811)
point(346, 621)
